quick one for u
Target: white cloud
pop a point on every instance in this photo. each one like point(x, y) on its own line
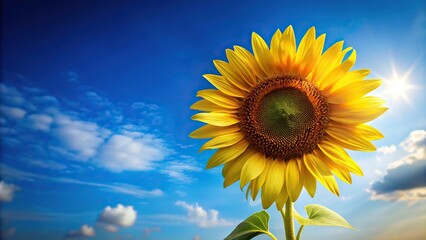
point(404, 161)
point(10, 95)
point(7, 191)
point(84, 231)
point(79, 137)
point(202, 218)
point(113, 218)
point(39, 122)
point(196, 237)
point(409, 195)
point(142, 105)
point(12, 113)
point(405, 179)
point(415, 144)
point(178, 170)
point(387, 149)
point(132, 153)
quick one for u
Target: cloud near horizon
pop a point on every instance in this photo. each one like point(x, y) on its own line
point(83, 232)
point(111, 219)
point(405, 179)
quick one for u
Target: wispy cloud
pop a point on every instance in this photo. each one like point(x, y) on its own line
point(179, 170)
point(121, 188)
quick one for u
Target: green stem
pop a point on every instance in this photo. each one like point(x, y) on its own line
point(299, 233)
point(271, 235)
point(288, 220)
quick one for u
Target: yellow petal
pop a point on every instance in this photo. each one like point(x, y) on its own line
point(321, 172)
point(221, 83)
point(232, 169)
point(342, 174)
point(216, 119)
point(282, 198)
point(242, 67)
point(305, 44)
point(252, 168)
point(210, 131)
point(353, 91)
point(340, 171)
point(250, 60)
point(249, 188)
point(262, 54)
point(231, 75)
point(369, 132)
point(359, 111)
point(312, 56)
point(207, 106)
point(261, 179)
point(336, 74)
point(273, 183)
point(356, 118)
point(287, 49)
point(331, 58)
point(219, 98)
point(275, 45)
point(227, 154)
point(294, 181)
point(349, 78)
point(340, 156)
point(349, 139)
point(310, 182)
point(222, 141)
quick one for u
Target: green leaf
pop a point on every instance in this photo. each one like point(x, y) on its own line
point(321, 216)
point(253, 226)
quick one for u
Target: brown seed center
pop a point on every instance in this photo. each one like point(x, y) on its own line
point(284, 117)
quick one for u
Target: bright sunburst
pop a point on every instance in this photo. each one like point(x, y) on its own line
point(398, 85)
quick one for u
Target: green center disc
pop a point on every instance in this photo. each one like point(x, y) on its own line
point(285, 113)
point(284, 117)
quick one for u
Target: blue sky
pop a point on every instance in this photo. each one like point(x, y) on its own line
point(95, 117)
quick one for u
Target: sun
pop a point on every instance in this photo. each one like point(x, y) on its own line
point(398, 86)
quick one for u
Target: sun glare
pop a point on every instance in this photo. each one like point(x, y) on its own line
point(397, 86)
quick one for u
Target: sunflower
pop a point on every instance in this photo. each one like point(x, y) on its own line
point(283, 117)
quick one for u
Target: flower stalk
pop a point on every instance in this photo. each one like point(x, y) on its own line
point(288, 220)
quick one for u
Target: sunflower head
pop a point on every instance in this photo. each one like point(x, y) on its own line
point(282, 118)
